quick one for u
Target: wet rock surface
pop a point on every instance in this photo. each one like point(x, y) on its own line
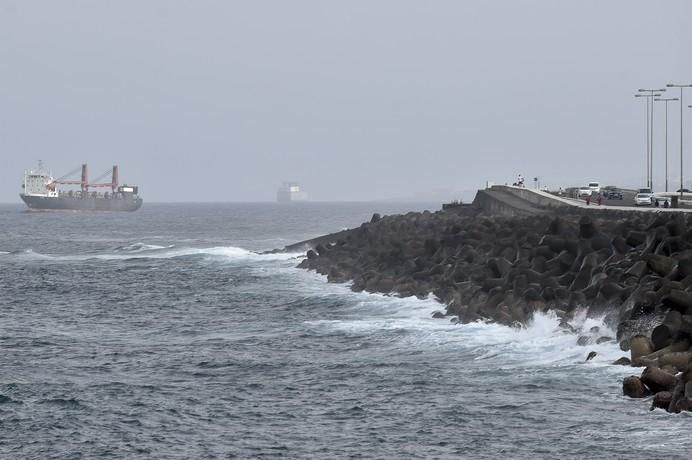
point(634, 268)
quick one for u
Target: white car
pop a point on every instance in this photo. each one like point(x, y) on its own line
point(583, 192)
point(595, 187)
point(644, 199)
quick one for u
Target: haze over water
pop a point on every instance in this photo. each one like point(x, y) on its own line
point(355, 100)
point(163, 335)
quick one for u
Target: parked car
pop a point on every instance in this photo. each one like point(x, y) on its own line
point(613, 195)
point(644, 199)
point(684, 190)
point(595, 187)
point(583, 192)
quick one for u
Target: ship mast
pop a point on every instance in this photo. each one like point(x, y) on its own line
point(85, 179)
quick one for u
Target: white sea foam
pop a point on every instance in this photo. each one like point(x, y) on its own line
point(149, 251)
point(141, 247)
point(542, 342)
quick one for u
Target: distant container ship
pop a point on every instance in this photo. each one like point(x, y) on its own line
point(40, 191)
point(290, 191)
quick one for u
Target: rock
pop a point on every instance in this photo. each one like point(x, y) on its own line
point(662, 400)
point(624, 361)
point(587, 228)
point(438, 315)
point(584, 340)
point(677, 359)
point(620, 244)
point(657, 380)
point(663, 334)
point(375, 218)
point(311, 255)
point(633, 387)
point(672, 370)
point(567, 327)
point(638, 270)
point(685, 267)
point(681, 405)
point(636, 238)
point(682, 344)
point(660, 264)
point(604, 339)
point(591, 355)
point(557, 226)
point(601, 242)
point(679, 300)
point(640, 345)
point(500, 266)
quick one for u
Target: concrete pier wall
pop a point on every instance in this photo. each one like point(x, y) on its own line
point(515, 201)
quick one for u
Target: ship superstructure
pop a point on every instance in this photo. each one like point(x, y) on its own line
point(290, 191)
point(41, 191)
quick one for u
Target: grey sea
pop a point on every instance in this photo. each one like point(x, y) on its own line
point(166, 334)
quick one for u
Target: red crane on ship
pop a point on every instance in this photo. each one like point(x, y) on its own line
point(84, 182)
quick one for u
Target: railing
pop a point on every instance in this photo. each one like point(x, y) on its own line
point(95, 195)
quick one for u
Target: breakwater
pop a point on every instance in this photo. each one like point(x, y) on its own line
point(634, 268)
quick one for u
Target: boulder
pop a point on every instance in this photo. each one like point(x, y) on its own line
point(584, 340)
point(679, 300)
point(662, 400)
point(678, 359)
point(661, 265)
point(620, 244)
point(587, 228)
point(633, 387)
point(664, 334)
point(657, 380)
point(640, 345)
point(638, 269)
point(636, 238)
point(685, 267)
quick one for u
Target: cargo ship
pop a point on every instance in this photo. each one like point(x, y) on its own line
point(41, 192)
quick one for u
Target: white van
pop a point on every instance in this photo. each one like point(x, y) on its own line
point(595, 187)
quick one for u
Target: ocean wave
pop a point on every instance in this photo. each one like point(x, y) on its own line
point(140, 247)
point(541, 342)
point(150, 251)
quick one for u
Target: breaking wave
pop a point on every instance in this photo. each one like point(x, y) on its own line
point(541, 342)
point(149, 251)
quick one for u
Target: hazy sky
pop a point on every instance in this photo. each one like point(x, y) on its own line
point(356, 100)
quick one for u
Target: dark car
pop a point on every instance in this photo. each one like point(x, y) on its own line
point(613, 195)
point(685, 190)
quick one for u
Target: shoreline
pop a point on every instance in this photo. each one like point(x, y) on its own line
point(634, 268)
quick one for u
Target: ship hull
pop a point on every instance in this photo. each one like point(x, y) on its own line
point(64, 203)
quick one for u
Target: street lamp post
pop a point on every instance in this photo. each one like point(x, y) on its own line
point(649, 133)
point(647, 137)
point(650, 159)
point(666, 100)
point(670, 85)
